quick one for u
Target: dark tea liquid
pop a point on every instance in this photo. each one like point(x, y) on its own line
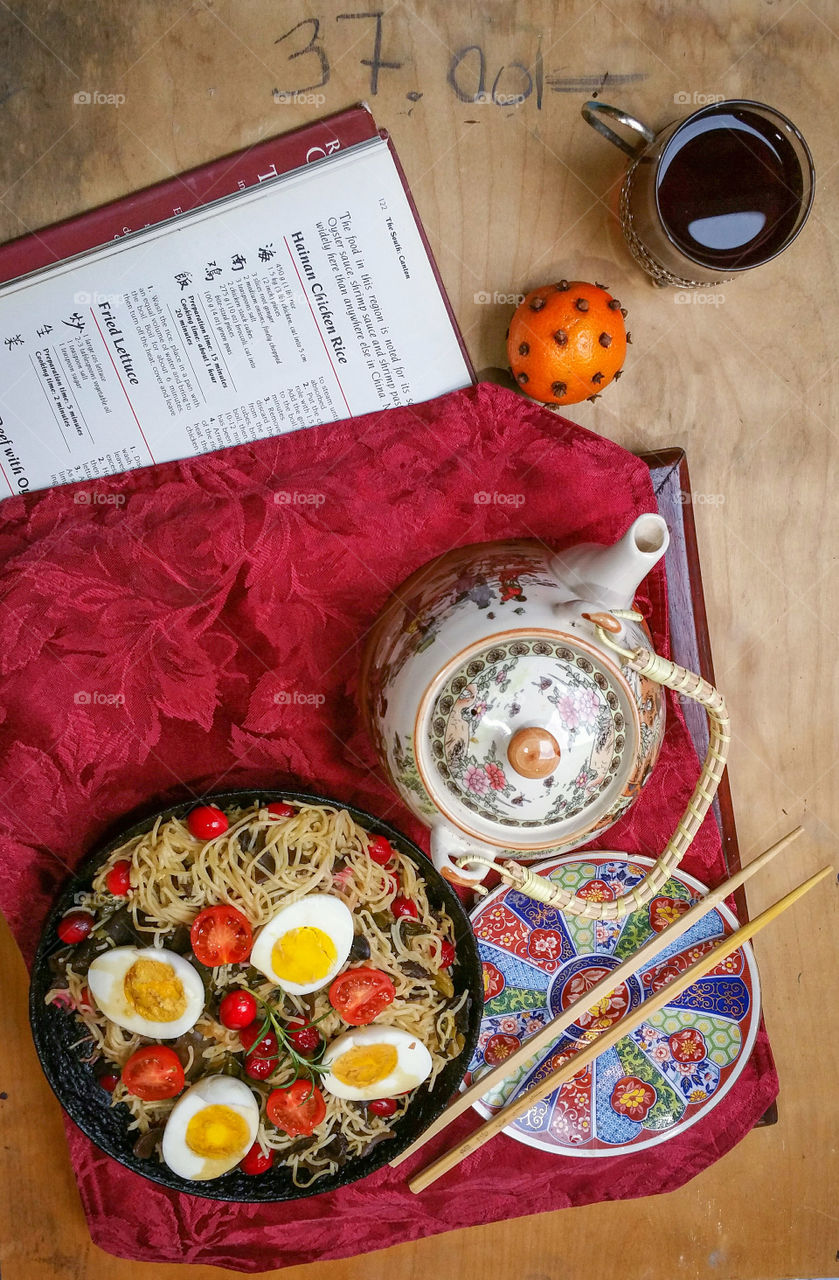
point(730, 189)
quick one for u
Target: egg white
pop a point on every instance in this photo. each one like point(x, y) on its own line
point(106, 978)
point(413, 1063)
point(211, 1091)
point(318, 911)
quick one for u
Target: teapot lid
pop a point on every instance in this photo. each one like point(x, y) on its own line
point(526, 739)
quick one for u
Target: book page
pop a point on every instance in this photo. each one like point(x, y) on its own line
point(308, 299)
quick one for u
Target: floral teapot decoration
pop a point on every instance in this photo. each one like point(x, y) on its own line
point(517, 706)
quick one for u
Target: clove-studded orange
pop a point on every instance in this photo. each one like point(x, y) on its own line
point(567, 341)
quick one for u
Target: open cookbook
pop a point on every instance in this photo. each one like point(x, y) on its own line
point(304, 295)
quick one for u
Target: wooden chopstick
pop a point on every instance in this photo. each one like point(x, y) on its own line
point(639, 960)
point(607, 1039)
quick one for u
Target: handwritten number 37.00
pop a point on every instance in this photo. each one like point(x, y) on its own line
point(314, 47)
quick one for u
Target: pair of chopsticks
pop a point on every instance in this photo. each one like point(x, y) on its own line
point(640, 960)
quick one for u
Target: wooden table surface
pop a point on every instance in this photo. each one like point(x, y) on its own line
point(513, 196)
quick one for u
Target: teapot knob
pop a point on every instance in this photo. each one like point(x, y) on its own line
point(533, 752)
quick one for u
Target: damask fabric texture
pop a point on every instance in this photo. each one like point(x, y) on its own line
point(198, 626)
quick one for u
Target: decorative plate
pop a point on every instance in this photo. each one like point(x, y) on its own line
point(662, 1077)
point(73, 1082)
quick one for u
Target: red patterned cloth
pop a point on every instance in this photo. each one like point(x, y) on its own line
point(149, 622)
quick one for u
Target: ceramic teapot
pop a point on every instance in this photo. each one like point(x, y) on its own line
point(514, 700)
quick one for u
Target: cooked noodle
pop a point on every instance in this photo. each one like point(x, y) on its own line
point(259, 865)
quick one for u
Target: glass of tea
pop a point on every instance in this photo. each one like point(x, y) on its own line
point(720, 192)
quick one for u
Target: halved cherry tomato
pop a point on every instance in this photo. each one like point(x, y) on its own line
point(237, 1009)
point(206, 822)
point(447, 954)
point(383, 1106)
point(404, 907)
point(75, 926)
point(360, 995)
point(297, 1110)
point(118, 879)
point(280, 810)
point(153, 1073)
point(256, 1161)
point(221, 935)
point(380, 850)
point(303, 1036)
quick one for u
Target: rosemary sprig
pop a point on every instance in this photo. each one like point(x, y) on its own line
point(304, 1067)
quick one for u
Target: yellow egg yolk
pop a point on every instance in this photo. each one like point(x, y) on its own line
point(365, 1064)
point(303, 955)
point(153, 989)
point(217, 1132)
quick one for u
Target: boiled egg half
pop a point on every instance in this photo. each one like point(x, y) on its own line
point(375, 1062)
point(303, 946)
point(211, 1128)
point(148, 990)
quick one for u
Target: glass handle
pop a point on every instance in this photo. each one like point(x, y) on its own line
point(592, 112)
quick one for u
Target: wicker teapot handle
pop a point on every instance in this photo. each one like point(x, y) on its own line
point(664, 672)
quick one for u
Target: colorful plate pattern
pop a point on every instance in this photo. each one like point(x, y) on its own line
point(662, 1077)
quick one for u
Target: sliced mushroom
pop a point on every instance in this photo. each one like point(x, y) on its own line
point(335, 1149)
point(251, 841)
point(360, 949)
point(146, 1144)
point(374, 1142)
point(194, 1040)
point(264, 866)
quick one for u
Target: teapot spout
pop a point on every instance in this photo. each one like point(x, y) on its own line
point(610, 576)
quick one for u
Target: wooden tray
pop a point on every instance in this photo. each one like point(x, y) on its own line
point(689, 641)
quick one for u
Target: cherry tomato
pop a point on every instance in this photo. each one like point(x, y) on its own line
point(107, 1075)
point(446, 954)
point(297, 1110)
point(280, 810)
point(303, 1036)
point(75, 926)
point(360, 995)
point(380, 850)
point(206, 822)
point(391, 883)
point(153, 1073)
point(267, 1047)
point(221, 935)
point(118, 879)
point(237, 1009)
point(260, 1068)
point(255, 1161)
point(404, 907)
point(383, 1106)
point(263, 1061)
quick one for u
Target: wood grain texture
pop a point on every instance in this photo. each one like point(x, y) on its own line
point(513, 196)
